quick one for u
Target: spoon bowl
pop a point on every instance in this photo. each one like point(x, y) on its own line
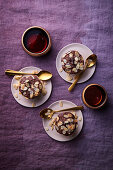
point(42, 75)
point(91, 60)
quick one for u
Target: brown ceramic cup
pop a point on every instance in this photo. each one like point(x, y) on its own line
point(26, 40)
point(94, 96)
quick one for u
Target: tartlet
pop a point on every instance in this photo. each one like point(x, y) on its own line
point(65, 123)
point(30, 86)
point(72, 62)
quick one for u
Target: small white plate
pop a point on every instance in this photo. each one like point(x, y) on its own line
point(85, 52)
point(28, 102)
point(53, 133)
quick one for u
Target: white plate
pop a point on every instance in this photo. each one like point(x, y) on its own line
point(53, 133)
point(28, 102)
point(84, 51)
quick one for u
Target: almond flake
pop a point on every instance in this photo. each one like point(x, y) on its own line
point(72, 126)
point(76, 58)
point(35, 72)
point(80, 118)
point(62, 63)
point(66, 116)
point(62, 127)
point(69, 115)
point(15, 86)
point(69, 77)
point(66, 121)
point(37, 82)
point(76, 54)
point(67, 66)
point(24, 93)
point(74, 69)
point(61, 69)
point(16, 95)
point(57, 118)
point(26, 81)
point(40, 86)
point(33, 104)
point(73, 113)
point(81, 68)
point(52, 122)
point(18, 77)
point(49, 111)
point(77, 67)
point(22, 86)
point(25, 88)
point(59, 123)
point(71, 55)
point(64, 132)
point(57, 128)
point(27, 84)
point(60, 103)
point(36, 90)
point(70, 120)
point(66, 129)
point(47, 129)
point(75, 62)
point(52, 127)
point(32, 86)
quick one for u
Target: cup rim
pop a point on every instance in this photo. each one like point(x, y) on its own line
point(92, 107)
point(36, 54)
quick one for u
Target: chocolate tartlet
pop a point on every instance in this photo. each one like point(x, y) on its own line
point(65, 123)
point(30, 86)
point(72, 62)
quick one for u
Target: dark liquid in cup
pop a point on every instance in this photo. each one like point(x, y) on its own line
point(36, 40)
point(94, 95)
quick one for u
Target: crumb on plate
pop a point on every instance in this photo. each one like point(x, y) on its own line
point(17, 77)
point(60, 103)
point(16, 95)
point(33, 104)
point(69, 77)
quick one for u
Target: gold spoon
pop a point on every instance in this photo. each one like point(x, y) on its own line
point(90, 61)
point(47, 113)
point(42, 75)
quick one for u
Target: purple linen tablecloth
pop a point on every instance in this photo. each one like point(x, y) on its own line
point(24, 145)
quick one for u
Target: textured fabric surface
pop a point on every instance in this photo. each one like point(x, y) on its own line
point(24, 145)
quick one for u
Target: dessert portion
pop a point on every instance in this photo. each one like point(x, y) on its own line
point(66, 123)
point(72, 62)
point(30, 86)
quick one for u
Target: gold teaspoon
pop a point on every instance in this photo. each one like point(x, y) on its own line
point(47, 113)
point(90, 61)
point(42, 75)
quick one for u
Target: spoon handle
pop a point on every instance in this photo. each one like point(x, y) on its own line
point(77, 78)
point(72, 108)
point(74, 83)
point(12, 72)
